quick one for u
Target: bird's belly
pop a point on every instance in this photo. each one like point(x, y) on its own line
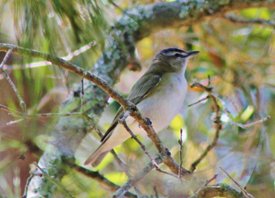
point(164, 104)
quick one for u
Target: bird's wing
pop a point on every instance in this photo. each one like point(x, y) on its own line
point(140, 90)
point(143, 87)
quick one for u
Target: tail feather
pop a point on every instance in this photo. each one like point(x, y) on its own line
point(111, 140)
point(96, 157)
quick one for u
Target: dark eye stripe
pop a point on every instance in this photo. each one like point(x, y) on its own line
point(172, 50)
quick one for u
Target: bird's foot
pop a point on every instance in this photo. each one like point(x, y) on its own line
point(148, 121)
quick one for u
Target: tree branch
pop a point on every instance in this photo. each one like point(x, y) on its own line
point(6, 75)
point(134, 25)
point(127, 106)
point(236, 19)
point(123, 122)
point(99, 178)
point(217, 123)
point(123, 189)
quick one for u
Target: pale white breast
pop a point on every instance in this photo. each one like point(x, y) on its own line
point(166, 100)
point(160, 107)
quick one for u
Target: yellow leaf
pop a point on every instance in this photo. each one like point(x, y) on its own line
point(117, 177)
point(146, 48)
point(177, 123)
point(246, 114)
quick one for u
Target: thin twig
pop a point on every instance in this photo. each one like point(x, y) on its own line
point(9, 110)
point(139, 142)
point(210, 180)
point(156, 192)
point(217, 123)
point(199, 101)
point(123, 189)
point(131, 182)
point(79, 51)
point(165, 153)
point(5, 59)
point(20, 114)
point(68, 57)
point(99, 178)
point(236, 19)
point(89, 173)
point(245, 193)
point(95, 175)
point(6, 75)
point(145, 151)
point(181, 148)
point(251, 124)
point(23, 116)
point(13, 122)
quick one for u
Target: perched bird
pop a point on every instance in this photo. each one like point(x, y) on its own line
point(159, 96)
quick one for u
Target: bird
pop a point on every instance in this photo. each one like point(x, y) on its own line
point(158, 94)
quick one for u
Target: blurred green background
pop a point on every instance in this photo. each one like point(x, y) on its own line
point(239, 58)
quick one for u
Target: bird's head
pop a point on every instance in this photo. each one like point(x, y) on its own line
point(176, 59)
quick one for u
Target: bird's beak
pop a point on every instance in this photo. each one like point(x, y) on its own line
point(192, 53)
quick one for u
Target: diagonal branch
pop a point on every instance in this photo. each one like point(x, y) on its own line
point(123, 189)
point(236, 19)
point(123, 122)
point(103, 181)
point(99, 178)
point(68, 57)
point(128, 106)
point(6, 75)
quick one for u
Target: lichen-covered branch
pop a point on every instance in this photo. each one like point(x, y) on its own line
point(134, 25)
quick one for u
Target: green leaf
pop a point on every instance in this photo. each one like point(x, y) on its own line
point(247, 113)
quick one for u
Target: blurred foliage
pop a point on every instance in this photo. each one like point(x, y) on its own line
point(239, 58)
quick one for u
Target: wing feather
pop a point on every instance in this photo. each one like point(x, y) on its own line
point(139, 91)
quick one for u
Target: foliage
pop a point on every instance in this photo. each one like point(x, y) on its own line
point(238, 57)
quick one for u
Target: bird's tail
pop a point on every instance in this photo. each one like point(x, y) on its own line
point(110, 140)
point(96, 157)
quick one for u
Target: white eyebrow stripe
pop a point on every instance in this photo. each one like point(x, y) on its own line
point(172, 53)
